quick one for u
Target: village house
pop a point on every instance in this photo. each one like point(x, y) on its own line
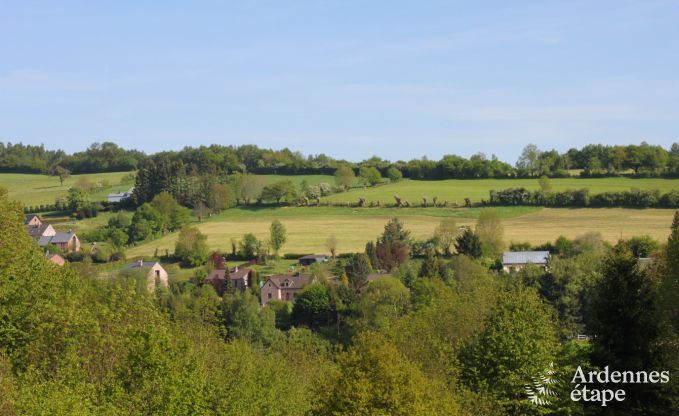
point(32, 220)
point(517, 260)
point(55, 258)
point(155, 273)
point(120, 196)
point(239, 277)
point(283, 287)
point(66, 241)
point(36, 228)
point(310, 259)
point(45, 235)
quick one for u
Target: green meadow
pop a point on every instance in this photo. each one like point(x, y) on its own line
point(456, 190)
point(32, 189)
point(309, 228)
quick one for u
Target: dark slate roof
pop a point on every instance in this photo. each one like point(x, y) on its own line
point(241, 273)
point(44, 240)
point(524, 257)
point(295, 282)
point(219, 274)
point(142, 264)
point(36, 231)
point(62, 237)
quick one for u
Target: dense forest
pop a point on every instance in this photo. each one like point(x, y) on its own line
point(446, 333)
point(593, 160)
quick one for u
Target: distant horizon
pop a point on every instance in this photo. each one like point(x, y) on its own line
point(334, 157)
point(347, 78)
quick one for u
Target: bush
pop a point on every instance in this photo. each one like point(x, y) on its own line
point(102, 254)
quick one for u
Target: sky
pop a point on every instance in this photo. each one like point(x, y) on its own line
point(351, 79)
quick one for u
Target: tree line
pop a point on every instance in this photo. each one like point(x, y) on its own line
point(637, 198)
point(593, 160)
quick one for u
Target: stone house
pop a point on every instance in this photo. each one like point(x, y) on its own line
point(239, 277)
point(283, 287)
point(156, 274)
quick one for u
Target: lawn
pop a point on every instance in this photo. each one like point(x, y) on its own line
point(307, 230)
point(456, 190)
point(32, 189)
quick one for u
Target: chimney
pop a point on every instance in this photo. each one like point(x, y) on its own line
point(235, 269)
point(141, 262)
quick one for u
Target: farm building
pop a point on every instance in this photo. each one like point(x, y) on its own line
point(239, 277)
point(120, 196)
point(517, 260)
point(156, 274)
point(310, 259)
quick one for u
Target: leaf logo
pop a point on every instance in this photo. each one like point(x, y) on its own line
point(542, 390)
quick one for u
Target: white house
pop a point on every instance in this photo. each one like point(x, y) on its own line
point(517, 260)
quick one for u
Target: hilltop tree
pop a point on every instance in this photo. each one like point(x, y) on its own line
point(62, 173)
point(277, 236)
point(529, 159)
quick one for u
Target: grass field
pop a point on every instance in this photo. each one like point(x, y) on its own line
point(297, 179)
point(307, 231)
point(456, 190)
point(32, 189)
point(42, 189)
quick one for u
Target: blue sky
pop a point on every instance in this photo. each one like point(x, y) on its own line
point(400, 79)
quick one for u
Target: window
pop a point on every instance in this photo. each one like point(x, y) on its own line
point(287, 296)
point(269, 295)
point(157, 273)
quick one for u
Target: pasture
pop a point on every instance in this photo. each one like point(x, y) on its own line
point(33, 189)
point(307, 231)
point(456, 190)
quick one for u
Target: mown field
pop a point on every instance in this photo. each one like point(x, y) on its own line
point(297, 179)
point(307, 230)
point(42, 189)
point(456, 190)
